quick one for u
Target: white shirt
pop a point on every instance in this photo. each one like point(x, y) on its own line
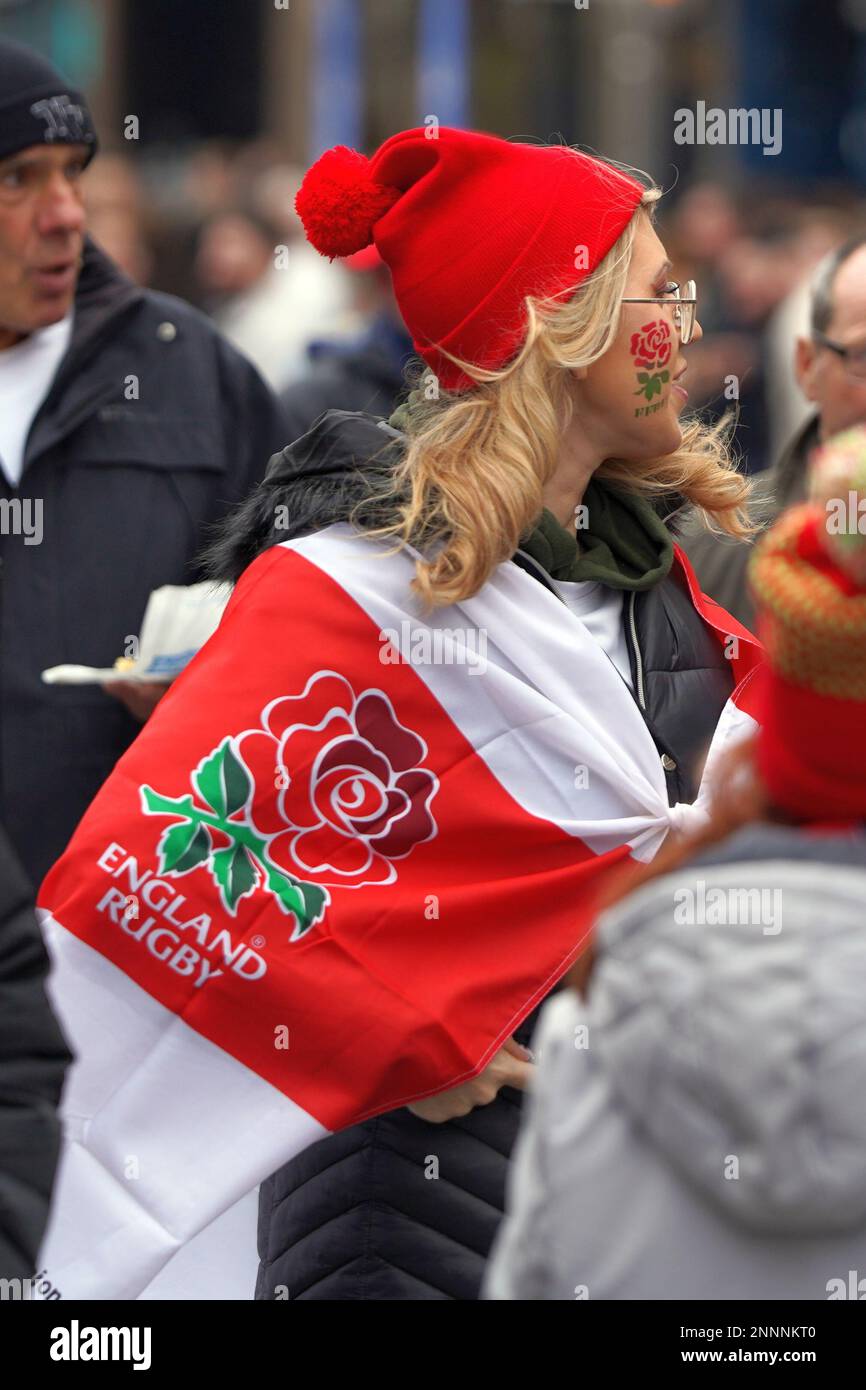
point(26, 373)
point(600, 611)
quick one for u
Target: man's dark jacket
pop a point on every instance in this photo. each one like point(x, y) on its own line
point(364, 375)
point(153, 427)
point(358, 1216)
point(720, 562)
point(33, 1060)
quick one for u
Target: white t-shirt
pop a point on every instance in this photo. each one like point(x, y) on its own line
point(26, 373)
point(600, 610)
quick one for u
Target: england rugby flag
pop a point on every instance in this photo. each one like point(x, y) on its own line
point(348, 854)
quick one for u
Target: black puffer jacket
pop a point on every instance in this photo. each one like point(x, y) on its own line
point(33, 1060)
point(396, 1208)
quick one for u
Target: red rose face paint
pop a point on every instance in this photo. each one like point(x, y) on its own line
point(650, 348)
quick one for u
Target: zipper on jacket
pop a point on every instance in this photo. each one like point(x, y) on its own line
point(630, 627)
point(638, 659)
point(639, 692)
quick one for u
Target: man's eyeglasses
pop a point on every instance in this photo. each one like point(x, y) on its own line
point(854, 358)
point(684, 299)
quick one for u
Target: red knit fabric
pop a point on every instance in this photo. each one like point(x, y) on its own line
point(475, 225)
point(811, 752)
point(811, 694)
point(810, 547)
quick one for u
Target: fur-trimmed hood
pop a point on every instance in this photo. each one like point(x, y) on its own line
point(313, 482)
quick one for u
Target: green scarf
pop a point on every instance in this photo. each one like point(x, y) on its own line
point(626, 545)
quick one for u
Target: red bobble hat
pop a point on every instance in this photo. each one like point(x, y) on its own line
point(809, 579)
point(469, 225)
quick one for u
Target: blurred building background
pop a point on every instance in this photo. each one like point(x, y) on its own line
point(209, 109)
point(310, 73)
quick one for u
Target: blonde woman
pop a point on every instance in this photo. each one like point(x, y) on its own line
point(545, 432)
point(463, 675)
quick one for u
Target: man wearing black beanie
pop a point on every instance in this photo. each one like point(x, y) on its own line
point(127, 427)
point(42, 116)
point(37, 105)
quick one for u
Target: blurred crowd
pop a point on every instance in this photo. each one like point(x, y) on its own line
point(217, 226)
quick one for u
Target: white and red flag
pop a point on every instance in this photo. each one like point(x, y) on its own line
point(345, 858)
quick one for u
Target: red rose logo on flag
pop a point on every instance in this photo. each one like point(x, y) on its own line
point(327, 793)
point(350, 784)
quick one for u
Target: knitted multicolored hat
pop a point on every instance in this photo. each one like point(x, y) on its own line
point(809, 579)
point(469, 225)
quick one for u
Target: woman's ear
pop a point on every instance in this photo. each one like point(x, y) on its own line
point(579, 373)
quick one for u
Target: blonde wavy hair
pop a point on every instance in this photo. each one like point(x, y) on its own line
point(470, 482)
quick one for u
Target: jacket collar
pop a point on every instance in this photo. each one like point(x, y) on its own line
point(104, 292)
point(791, 469)
point(104, 295)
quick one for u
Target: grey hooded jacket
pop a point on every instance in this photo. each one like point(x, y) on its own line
point(697, 1129)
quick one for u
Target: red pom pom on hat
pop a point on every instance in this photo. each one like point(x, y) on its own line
point(340, 203)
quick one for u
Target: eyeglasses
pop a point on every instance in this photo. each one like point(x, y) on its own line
point(853, 358)
point(684, 299)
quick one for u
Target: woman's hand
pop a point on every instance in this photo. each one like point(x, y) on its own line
point(510, 1067)
point(140, 697)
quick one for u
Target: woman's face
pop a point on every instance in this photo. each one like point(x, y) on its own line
point(629, 401)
